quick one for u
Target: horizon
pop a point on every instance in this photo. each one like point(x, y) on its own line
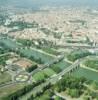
point(33, 4)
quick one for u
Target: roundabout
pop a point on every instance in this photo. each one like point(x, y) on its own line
point(22, 77)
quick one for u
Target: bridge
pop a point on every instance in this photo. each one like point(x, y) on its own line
point(69, 69)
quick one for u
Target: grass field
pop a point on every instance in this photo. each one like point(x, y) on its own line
point(42, 75)
point(39, 76)
point(49, 72)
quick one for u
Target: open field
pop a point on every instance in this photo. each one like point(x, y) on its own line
point(39, 76)
point(49, 72)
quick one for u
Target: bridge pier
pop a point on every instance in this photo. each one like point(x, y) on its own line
point(72, 70)
point(69, 73)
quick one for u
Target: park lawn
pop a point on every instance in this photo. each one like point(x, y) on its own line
point(39, 76)
point(49, 72)
point(5, 77)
